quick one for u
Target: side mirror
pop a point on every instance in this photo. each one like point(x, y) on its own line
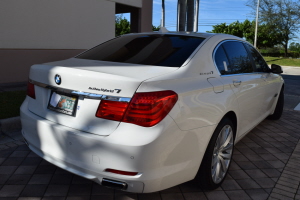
point(276, 69)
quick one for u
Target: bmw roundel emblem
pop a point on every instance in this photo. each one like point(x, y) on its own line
point(57, 79)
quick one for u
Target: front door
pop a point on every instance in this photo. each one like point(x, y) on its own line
point(237, 70)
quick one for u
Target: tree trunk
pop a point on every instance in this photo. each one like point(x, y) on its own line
point(286, 48)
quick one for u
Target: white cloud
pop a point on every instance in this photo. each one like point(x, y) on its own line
point(157, 2)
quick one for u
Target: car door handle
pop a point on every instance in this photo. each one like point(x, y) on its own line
point(236, 82)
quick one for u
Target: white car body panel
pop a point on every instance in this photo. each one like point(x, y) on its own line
point(159, 159)
point(164, 155)
point(248, 93)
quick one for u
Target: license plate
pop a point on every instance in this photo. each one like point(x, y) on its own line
point(63, 103)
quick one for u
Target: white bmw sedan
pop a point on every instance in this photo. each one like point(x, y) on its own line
point(145, 112)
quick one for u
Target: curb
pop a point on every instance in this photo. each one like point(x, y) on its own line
point(10, 125)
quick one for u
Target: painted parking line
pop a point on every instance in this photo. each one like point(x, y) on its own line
point(297, 107)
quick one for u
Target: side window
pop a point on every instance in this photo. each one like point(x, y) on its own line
point(239, 61)
point(221, 60)
point(260, 63)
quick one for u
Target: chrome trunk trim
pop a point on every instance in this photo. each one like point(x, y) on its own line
point(81, 94)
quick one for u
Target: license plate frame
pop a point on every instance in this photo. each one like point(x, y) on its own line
point(65, 103)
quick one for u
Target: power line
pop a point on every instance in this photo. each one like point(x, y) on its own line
point(222, 10)
point(221, 19)
point(212, 22)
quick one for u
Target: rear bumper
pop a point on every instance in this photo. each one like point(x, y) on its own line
point(162, 155)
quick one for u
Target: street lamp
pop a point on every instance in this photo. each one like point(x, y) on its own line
point(162, 13)
point(256, 25)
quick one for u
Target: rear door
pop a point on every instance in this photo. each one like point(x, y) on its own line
point(236, 70)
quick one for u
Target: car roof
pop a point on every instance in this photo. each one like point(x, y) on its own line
point(193, 34)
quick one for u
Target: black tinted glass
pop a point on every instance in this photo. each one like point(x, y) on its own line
point(221, 60)
point(160, 50)
point(239, 61)
point(260, 63)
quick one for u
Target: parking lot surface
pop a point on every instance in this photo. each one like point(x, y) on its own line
point(265, 166)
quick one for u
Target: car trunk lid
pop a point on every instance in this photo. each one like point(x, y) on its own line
point(91, 78)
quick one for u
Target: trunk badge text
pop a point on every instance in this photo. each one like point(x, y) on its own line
point(105, 90)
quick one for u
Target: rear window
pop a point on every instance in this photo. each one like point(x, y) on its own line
point(154, 49)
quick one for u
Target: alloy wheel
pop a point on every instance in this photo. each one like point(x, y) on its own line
point(222, 154)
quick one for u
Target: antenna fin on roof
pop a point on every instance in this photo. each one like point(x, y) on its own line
point(163, 30)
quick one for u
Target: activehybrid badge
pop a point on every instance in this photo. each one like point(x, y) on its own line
point(57, 79)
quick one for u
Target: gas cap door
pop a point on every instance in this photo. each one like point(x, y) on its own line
point(217, 85)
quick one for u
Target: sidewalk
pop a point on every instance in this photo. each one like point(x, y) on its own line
point(290, 70)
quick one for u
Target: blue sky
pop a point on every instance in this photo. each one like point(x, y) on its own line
point(211, 12)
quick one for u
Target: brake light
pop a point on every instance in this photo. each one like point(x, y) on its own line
point(113, 110)
point(121, 172)
point(145, 109)
point(149, 108)
point(30, 90)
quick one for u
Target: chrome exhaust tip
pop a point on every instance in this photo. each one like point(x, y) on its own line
point(114, 184)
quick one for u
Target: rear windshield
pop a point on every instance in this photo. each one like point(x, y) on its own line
point(154, 49)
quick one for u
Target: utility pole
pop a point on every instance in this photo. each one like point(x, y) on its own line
point(256, 25)
point(163, 21)
point(187, 15)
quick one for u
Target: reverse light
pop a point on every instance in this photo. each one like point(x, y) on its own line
point(121, 172)
point(30, 90)
point(145, 109)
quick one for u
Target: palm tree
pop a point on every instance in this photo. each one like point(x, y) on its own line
point(187, 15)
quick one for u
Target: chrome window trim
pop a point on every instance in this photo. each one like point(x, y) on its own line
point(238, 74)
point(214, 53)
point(81, 94)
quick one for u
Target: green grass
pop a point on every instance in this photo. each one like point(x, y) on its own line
point(283, 61)
point(10, 103)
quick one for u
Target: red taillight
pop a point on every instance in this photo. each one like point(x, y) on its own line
point(145, 109)
point(149, 108)
point(113, 110)
point(121, 172)
point(30, 90)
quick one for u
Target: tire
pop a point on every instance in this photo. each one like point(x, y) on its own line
point(279, 107)
point(213, 170)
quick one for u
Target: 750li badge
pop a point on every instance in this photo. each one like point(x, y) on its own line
point(105, 90)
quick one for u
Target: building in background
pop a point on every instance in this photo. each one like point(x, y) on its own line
point(35, 31)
